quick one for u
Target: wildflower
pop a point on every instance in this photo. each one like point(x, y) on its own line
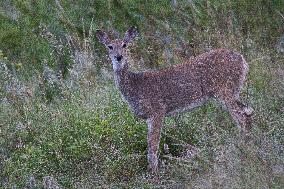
point(18, 65)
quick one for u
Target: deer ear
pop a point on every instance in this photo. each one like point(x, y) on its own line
point(130, 34)
point(102, 37)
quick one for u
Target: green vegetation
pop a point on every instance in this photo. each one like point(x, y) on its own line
point(63, 122)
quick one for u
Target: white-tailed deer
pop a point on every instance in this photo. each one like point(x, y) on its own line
point(152, 95)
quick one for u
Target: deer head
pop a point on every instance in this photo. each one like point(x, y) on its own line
point(117, 48)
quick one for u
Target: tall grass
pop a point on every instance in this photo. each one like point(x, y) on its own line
point(64, 124)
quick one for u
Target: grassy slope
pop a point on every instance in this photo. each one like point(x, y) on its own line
point(87, 138)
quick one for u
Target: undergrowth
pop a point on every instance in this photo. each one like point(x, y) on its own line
point(63, 124)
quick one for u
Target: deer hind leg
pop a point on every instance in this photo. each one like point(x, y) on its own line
point(240, 113)
point(155, 124)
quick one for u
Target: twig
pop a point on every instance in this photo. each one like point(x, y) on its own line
point(282, 16)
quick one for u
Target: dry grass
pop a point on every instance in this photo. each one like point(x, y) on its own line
point(71, 129)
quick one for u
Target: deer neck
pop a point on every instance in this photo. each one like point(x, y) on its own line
point(121, 77)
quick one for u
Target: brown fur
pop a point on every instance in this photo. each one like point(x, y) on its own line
point(152, 95)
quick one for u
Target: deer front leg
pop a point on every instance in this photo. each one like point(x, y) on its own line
point(155, 124)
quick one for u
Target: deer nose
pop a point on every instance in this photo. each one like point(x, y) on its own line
point(118, 57)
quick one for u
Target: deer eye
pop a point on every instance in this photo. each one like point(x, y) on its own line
point(110, 47)
point(124, 45)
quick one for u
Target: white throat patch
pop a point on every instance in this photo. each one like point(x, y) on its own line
point(117, 65)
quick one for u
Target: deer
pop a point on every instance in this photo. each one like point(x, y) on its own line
point(152, 95)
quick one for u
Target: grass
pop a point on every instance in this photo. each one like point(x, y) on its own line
point(73, 130)
point(90, 139)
